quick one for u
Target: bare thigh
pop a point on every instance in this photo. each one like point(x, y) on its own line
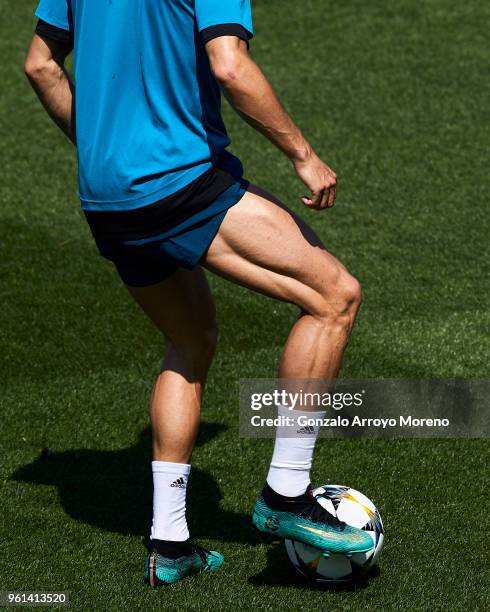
point(181, 306)
point(264, 246)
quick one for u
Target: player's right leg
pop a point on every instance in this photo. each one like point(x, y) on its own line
point(182, 308)
point(264, 246)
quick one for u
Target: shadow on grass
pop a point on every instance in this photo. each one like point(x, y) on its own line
point(279, 572)
point(112, 490)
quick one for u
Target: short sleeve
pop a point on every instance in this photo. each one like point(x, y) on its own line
point(56, 13)
point(218, 12)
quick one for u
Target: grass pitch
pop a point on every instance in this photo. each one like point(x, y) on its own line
point(393, 96)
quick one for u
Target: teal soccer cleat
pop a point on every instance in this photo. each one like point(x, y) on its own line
point(163, 570)
point(303, 519)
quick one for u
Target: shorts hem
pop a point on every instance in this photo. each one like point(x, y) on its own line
point(161, 258)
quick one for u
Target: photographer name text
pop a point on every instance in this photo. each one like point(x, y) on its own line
point(356, 421)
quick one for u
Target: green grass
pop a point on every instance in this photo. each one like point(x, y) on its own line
point(394, 97)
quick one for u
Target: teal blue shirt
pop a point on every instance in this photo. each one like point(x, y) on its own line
point(148, 114)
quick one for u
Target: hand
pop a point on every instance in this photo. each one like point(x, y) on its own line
point(320, 180)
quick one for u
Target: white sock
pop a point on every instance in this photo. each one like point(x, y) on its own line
point(289, 473)
point(169, 490)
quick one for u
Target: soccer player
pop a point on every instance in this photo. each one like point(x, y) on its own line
point(164, 198)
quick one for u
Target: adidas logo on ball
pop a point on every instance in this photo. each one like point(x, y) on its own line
point(178, 483)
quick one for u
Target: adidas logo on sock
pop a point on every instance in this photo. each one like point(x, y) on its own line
point(178, 483)
point(307, 429)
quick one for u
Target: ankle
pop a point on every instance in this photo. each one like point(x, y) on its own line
point(276, 501)
point(169, 548)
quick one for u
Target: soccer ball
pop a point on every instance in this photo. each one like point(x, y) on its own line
point(355, 509)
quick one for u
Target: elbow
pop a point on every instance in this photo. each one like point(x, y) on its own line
point(227, 71)
point(34, 68)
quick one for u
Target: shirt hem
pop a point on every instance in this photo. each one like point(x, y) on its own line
point(224, 21)
point(54, 22)
point(146, 199)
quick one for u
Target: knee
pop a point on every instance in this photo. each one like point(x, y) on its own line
point(199, 351)
point(351, 294)
point(342, 300)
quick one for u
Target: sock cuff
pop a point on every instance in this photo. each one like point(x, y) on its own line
point(292, 465)
point(166, 467)
point(283, 411)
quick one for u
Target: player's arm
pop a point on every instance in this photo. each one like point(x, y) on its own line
point(45, 69)
point(253, 97)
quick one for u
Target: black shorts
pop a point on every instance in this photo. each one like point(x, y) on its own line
point(149, 244)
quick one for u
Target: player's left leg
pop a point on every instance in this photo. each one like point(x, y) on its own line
point(182, 308)
point(266, 247)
